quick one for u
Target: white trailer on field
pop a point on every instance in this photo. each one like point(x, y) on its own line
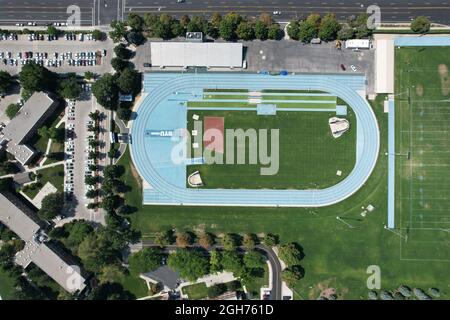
point(357, 44)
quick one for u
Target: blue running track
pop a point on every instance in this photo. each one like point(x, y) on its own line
point(164, 108)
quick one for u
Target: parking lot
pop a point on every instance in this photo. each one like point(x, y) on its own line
point(295, 56)
point(77, 149)
point(68, 53)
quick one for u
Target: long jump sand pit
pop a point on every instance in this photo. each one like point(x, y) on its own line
point(213, 138)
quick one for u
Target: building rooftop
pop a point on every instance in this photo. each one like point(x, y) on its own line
point(15, 216)
point(196, 54)
point(31, 112)
point(166, 276)
point(23, 222)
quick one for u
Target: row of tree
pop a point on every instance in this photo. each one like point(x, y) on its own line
point(230, 27)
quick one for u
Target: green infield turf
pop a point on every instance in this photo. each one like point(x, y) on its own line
point(309, 156)
point(422, 110)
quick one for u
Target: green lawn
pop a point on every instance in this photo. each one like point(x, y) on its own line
point(54, 175)
point(7, 289)
point(301, 98)
point(309, 156)
point(196, 291)
point(208, 104)
point(423, 182)
point(227, 96)
point(335, 255)
point(256, 283)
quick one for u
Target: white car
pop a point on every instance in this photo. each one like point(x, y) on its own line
point(354, 69)
point(276, 13)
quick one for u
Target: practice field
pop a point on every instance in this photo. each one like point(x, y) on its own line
point(309, 156)
point(422, 109)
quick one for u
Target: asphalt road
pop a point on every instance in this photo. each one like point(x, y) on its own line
point(101, 12)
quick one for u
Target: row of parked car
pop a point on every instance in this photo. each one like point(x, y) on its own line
point(84, 58)
point(11, 36)
point(69, 148)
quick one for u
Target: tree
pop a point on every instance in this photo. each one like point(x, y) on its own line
point(111, 274)
point(122, 52)
point(230, 241)
point(105, 91)
point(271, 240)
point(124, 113)
point(275, 33)
point(184, 21)
point(291, 275)
point(113, 171)
point(91, 194)
point(111, 202)
point(206, 240)
point(232, 261)
point(88, 75)
point(215, 261)
point(119, 31)
point(129, 81)
point(229, 24)
point(12, 109)
point(249, 241)
point(70, 88)
point(360, 25)
point(308, 31)
point(51, 30)
point(346, 32)
point(191, 264)
point(329, 28)
point(150, 21)
point(184, 239)
point(57, 134)
point(97, 35)
point(164, 238)
point(52, 206)
point(245, 31)
point(135, 22)
point(290, 253)
point(6, 81)
point(216, 18)
point(261, 30)
point(420, 24)
point(99, 249)
point(119, 64)
point(90, 180)
point(148, 259)
point(135, 38)
point(254, 260)
point(163, 27)
point(34, 77)
point(293, 29)
point(197, 24)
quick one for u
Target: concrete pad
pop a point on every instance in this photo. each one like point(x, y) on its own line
point(47, 189)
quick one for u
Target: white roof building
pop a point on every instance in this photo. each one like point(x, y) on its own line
point(196, 54)
point(23, 222)
point(384, 66)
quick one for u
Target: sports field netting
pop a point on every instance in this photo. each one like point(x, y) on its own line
point(422, 110)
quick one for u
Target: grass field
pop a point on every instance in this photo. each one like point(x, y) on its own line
point(335, 255)
point(309, 156)
point(7, 290)
point(422, 128)
point(54, 175)
point(196, 291)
